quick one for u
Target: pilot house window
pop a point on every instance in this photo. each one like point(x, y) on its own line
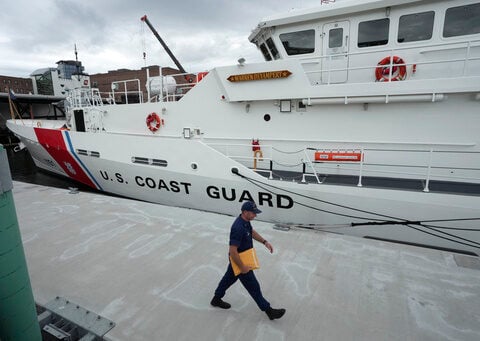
point(265, 52)
point(300, 42)
point(373, 32)
point(462, 20)
point(273, 48)
point(415, 27)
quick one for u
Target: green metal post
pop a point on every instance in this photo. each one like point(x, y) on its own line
point(18, 316)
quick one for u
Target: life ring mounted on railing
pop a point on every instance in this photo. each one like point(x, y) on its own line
point(154, 122)
point(398, 72)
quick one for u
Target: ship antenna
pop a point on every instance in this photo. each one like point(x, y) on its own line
point(76, 63)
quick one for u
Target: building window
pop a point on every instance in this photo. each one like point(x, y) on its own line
point(462, 20)
point(300, 42)
point(415, 27)
point(44, 84)
point(373, 32)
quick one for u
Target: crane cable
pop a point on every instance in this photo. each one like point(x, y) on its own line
point(398, 221)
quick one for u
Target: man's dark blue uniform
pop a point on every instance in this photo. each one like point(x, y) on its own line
point(241, 236)
point(241, 239)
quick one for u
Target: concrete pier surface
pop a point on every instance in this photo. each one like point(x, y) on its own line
point(152, 270)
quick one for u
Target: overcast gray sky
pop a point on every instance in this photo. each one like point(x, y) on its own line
point(109, 34)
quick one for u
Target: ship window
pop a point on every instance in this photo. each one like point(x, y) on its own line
point(373, 33)
point(335, 38)
point(273, 48)
point(462, 20)
point(265, 52)
point(415, 27)
point(300, 42)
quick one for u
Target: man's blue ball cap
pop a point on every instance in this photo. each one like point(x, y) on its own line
point(251, 207)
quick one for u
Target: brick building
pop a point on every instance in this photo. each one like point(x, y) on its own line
point(17, 84)
point(131, 79)
point(103, 81)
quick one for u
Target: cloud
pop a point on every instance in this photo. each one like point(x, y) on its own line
point(109, 34)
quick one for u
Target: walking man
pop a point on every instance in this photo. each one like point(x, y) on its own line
point(241, 239)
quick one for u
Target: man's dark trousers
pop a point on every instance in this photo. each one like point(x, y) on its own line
point(250, 283)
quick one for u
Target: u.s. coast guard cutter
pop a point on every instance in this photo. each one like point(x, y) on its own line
point(364, 119)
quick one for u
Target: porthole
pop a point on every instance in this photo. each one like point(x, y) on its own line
point(194, 165)
point(266, 117)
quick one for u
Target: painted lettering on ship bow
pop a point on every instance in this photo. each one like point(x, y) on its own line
point(172, 185)
point(263, 198)
point(148, 182)
point(117, 177)
point(220, 193)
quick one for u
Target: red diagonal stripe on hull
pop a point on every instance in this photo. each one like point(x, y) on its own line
point(53, 142)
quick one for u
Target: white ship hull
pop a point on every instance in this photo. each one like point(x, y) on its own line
point(216, 189)
point(366, 150)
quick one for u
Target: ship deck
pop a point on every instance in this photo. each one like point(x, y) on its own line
point(152, 270)
point(448, 187)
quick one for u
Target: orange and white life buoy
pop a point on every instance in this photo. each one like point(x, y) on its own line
point(398, 72)
point(153, 122)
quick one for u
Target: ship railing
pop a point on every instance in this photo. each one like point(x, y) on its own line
point(425, 164)
point(257, 161)
point(414, 58)
point(127, 91)
point(173, 87)
point(83, 97)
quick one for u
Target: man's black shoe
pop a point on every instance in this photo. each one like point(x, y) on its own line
point(217, 302)
point(274, 313)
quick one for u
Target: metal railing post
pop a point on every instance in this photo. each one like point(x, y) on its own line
point(311, 165)
point(427, 180)
point(329, 68)
point(361, 169)
point(390, 71)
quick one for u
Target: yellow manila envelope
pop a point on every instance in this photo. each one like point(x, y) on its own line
point(248, 258)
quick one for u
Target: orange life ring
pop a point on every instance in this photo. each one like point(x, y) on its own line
point(153, 122)
point(399, 69)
